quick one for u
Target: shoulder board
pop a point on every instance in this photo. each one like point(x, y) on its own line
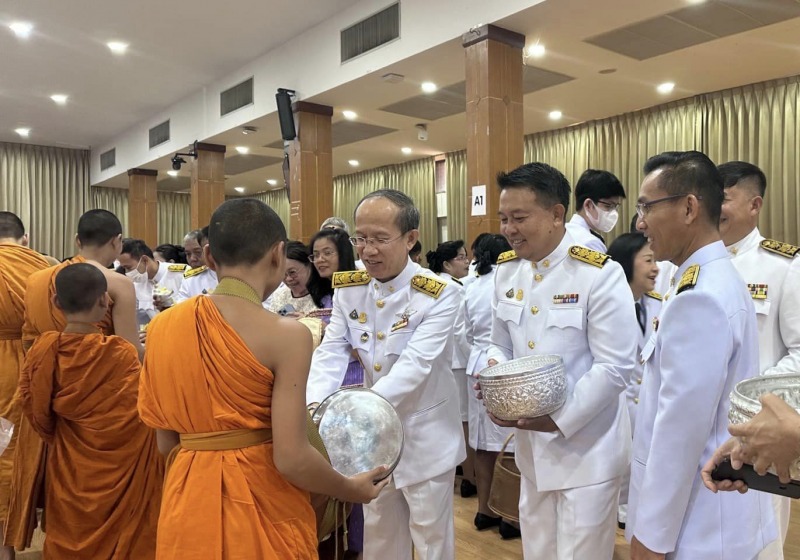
point(350, 278)
point(507, 256)
point(595, 258)
point(194, 271)
point(457, 281)
point(177, 267)
point(780, 248)
point(654, 295)
point(689, 278)
point(429, 286)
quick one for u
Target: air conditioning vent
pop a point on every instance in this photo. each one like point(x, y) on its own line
point(236, 97)
point(108, 159)
point(371, 32)
point(159, 134)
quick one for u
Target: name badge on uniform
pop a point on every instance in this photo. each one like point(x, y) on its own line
point(565, 298)
point(758, 291)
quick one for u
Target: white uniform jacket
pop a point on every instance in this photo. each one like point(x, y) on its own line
point(196, 281)
point(460, 344)
point(651, 302)
point(403, 334)
point(706, 342)
point(773, 279)
point(170, 276)
point(582, 234)
point(577, 304)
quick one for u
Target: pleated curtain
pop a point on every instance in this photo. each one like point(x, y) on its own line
point(113, 200)
point(457, 195)
point(278, 201)
point(174, 217)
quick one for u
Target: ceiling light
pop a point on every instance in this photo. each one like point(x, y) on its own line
point(239, 189)
point(428, 87)
point(24, 132)
point(172, 173)
point(272, 182)
point(59, 98)
point(353, 162)
point(555, 115)
point(536, 51)
point(406, 150)
point(117, 47)
point(666, 87)
point(349, 115)
point(21, 29)
point(249, 130)
point(242, 149)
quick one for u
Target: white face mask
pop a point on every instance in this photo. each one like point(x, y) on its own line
point(135, 275)
point(605, 220)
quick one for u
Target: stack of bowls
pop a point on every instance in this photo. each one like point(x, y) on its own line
point(524, 388)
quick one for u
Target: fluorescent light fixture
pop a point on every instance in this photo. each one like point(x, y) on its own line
point(117, 47)
point(406, 150)
point(172, 173)
point(353, 162)
point(555, 115)
point(666, 87)
point(349, 115)
point(243, 149)
point(59, 98)
point(21, 29)
point(24, 132)
point(239, 189)
point(537, 50)
point(428, 87)
point(272, 182)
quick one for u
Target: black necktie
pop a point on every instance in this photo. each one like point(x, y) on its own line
point(641, 316)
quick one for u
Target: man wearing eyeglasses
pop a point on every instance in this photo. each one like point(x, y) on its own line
point(199, 279)
point(705, 341)
point(598, 195)
point(399, 318)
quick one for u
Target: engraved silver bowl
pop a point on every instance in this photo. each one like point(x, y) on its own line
point(745, 403)
point(524, 388)
point(361, 431)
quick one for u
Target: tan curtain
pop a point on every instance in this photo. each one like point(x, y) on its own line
point(113, 200)
point(349, 189)
point(48, 189)
point(174, 217)
point(457, 195)
point(417, 179)
point(279, 202)
point(566, 149)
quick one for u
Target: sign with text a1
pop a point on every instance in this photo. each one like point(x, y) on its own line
point(479, 200)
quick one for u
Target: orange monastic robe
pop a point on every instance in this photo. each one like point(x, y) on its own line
point(28, 471)
point(17, 263)
point(104, 472)
point(199, 376)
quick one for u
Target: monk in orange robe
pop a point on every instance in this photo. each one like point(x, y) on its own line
point(78, 390)
point(17, 263)
point(224, 383)
point(99, 241)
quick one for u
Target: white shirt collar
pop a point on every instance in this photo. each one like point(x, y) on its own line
point(748, 242)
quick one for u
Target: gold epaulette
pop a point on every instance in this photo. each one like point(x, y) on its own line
point(654, 295)
point(177, 267)
point(350, 278)
point(689, 278)
point(507, 256)
point(595, 258)
point(194, 271)
point(428, 286)
point(780, 248)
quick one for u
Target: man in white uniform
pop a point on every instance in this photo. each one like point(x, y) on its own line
point(200, 279)
point(399, 317)
point(772, 274)
point(705, 342)
point(552, 296)
point(598, 195)
point(147, 273)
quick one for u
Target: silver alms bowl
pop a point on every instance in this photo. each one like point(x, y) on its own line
point(524, 388)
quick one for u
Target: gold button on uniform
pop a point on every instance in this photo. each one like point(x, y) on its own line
point(391, 289)
point(641, 361)
point(380, 304)
point(636, 400)
point(538, 277)
point(531, 344)
point(378, 367)
point(639, 381)
point(546, 263)
point(534, 310)
point(381, 336)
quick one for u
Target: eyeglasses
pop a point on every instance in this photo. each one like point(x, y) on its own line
point(292, 273)
point(463, 258)
point(642, 208)
point(609, 205)
point(372, 241)
point(317, 255)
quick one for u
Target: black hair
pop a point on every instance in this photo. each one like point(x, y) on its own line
point(548, 183)
point(79, 286)
point(98, 227)
point(136, 248)
point(443, 253)
point(416, 249)
point(11, 226)
point(204, 233)
point(595, 184)
point(476, 242)
point(634, 221)
point(690, 172)
point(624, 250)
point(172, 253)
point(242, 231)
point(490, 247)
point(318, 286)
point(735, 171)
point(407, 218)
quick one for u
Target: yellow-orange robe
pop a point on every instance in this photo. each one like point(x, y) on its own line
point(27, 474)
point(104, 472)
point(17, 263)
point(198, 377)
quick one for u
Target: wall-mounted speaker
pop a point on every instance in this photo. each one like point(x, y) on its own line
point(285, 115)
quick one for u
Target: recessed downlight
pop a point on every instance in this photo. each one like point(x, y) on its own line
point(428, 87)
point(555, 115)
point(172, 173)
point(59, 98)
point(239, 189)
point(243, 149)
point(406, 150)
point(353, 162)
point(117, 47)
point(666, 87)
point(536, 50)
point(24, 132)
point(350, 115)
point(21, 29)
point(272, 182)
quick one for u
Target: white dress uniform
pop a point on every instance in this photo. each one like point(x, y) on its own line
point(582, 234)
point(666, 270)
point(460, 348)
point(772, 274)
point(197, 281)
point(577, 304)
point(170, 276)
point(705, 342)
point(403, 332)
point(483, 433)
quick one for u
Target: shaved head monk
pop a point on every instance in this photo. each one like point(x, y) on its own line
point(17, 263)
point(231, 406)
point(99, 243)
point(103, 471)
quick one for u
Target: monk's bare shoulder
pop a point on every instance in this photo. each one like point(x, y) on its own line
point(282, 335)
point(117, 283)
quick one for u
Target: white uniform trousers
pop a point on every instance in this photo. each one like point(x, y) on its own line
point(571, 524)
point(463, 384)
point(783, 509)
point(426, 509)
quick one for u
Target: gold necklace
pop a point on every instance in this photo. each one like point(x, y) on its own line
point(237, 288)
